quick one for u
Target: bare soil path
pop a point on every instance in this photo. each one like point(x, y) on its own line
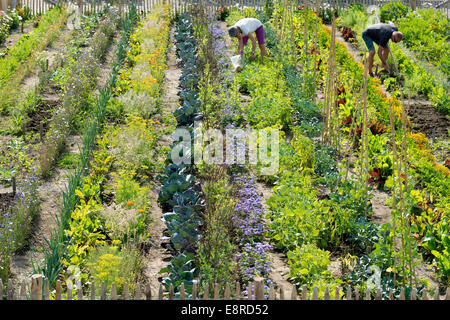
point(158, 256)
point(280, 268)
point(381, 213)
point(16, 34)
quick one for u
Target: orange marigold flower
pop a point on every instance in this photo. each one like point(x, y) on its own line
point(441, 168)
point(141, 210)
point(130, 203)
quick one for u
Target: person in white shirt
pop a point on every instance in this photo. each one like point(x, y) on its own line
point(243, 30)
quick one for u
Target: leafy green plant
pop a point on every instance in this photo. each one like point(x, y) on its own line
point(215, 250)
point(112, 264)
point(426, 33)
point(85, 229)
point(69, 161)
point(181, 270)
point(269, 106)
point(325, 165)
point(440, 99)
point(393, 11)
point(307, 264)
point(295, 212)
point(129, 193)
point(363, 235)
point(438, 243)
point(133, 146)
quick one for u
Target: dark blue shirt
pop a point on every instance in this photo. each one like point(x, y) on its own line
point(381, 33)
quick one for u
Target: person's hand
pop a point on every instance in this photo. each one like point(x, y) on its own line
point(253, 57)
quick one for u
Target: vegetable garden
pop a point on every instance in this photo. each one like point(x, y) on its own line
point(98, 107)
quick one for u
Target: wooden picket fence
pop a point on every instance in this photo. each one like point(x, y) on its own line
point(39, 290)
point(42, 6)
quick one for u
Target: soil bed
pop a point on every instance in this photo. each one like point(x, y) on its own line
point(158, 255)
point(424, 118)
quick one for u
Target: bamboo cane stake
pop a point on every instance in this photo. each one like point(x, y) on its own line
point(315, 46)
point(353, 127)
point(395, 167)
point(405, 174)
point(305, 32)
point(366, 139)
point(329, 88)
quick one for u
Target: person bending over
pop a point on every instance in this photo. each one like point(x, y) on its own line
point(380, 33)
point(243, 30)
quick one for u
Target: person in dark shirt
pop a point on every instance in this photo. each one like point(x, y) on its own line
point(380, 33)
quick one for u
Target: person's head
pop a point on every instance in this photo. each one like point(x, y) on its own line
point(234, 32)
point(397, 36)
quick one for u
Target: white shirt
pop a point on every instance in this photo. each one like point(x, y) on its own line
point(248, 25)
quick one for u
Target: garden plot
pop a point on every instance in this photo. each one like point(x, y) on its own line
point(382, 202)
point(50, 192)
point(359, 198)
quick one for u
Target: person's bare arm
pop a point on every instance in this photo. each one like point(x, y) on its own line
point(241, 47)
point(251, 37)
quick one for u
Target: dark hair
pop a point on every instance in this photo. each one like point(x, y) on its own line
point(232, 31)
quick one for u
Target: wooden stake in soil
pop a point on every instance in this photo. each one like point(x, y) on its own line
point(329, 88)
point(336, 293)
point(305, 35)
point(315, 46)
point(365, 138)
point(148, 291)
point(396, 177)
point(113, 291)
point(103, 291)
point(46, 289)
point(125, 294)
point(23, 291)
point(58, 290)
point(194, 291)
point(79, 291)
point(11, 290)
point(92, 296)
point(304, 293)
point(227, 294)
point(408, 215)
point(171, 292)
point(216, 291)
point(69, 291)
point(272, 292)
point(36, 286)
point(326, 295)
point(294, 293)
point(13, 182)
point(206, 292)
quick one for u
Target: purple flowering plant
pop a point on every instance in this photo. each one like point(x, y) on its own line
point(248, 219)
